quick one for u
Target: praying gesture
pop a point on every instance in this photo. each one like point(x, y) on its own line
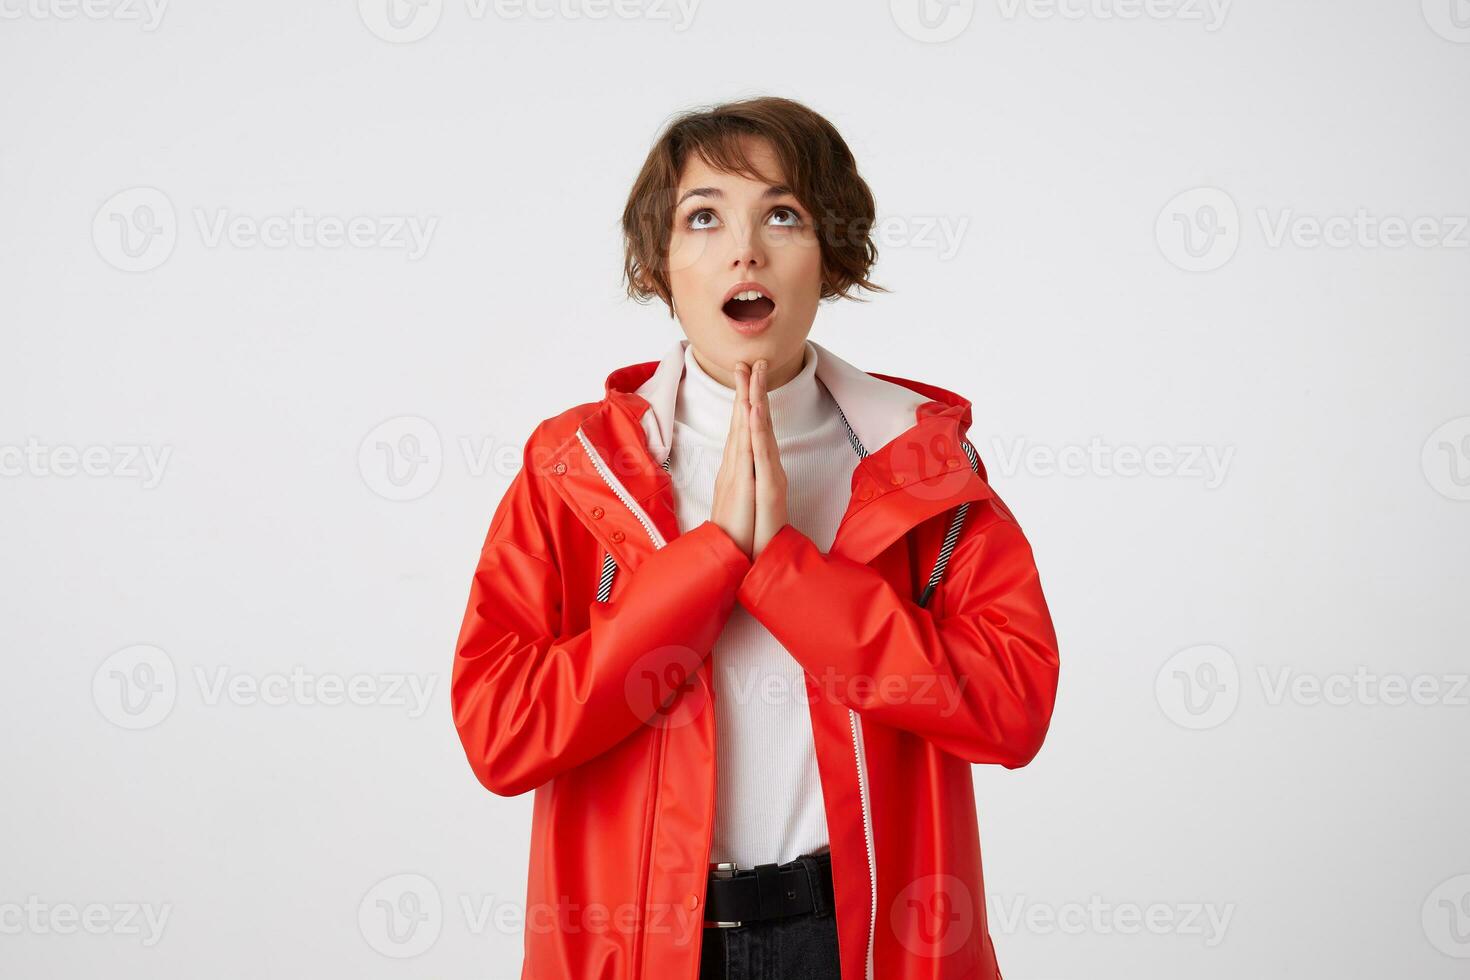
point(750, 487)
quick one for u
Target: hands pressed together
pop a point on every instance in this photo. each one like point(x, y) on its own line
point(750, 487)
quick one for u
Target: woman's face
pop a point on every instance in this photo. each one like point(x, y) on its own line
point(730, 230)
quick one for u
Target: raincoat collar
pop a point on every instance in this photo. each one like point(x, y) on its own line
point(879, 408)
point(912, 434)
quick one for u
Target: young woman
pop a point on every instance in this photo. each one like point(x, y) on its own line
point(745, 622)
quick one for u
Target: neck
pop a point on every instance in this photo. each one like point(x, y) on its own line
point(705, 405)
point(778, 372)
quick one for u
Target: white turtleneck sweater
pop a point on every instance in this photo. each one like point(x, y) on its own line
point(768, 794)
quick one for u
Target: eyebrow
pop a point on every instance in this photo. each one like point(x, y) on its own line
point(773, 190)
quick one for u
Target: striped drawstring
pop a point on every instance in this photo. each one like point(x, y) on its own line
point(610, 567)
point(953, 534)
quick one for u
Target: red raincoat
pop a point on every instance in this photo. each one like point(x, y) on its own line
point(605, 706)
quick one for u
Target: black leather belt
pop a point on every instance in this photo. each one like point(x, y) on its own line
point(768, 891)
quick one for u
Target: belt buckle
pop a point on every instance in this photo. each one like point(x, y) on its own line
point(725, 869)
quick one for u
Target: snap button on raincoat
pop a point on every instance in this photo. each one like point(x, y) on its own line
point(582, 672)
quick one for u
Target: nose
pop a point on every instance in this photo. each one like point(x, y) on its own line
point(749, 249)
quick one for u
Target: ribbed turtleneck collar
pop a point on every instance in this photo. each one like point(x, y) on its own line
point(705, 405)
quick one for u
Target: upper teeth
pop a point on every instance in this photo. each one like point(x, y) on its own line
point(749, 294)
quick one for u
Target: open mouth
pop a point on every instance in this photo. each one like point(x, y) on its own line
point(748, 306)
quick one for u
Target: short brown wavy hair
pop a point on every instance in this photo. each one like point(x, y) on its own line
point(819, 169)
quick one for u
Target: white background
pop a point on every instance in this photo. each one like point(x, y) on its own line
point(1053, 143)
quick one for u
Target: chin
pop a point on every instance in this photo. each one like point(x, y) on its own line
point(719, 342)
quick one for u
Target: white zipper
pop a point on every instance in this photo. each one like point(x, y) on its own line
point(862, 771)
point(622, 492)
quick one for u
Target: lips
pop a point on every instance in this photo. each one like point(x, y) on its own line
point(748, 302)
point(748, 311)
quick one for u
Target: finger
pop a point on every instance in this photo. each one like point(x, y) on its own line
point(742, 418)
point(732, 438)
point(742, 382)
point(762, 436)
point(765, 403)
point(739, 370)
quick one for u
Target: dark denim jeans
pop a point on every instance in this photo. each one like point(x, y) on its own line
point(803, 946)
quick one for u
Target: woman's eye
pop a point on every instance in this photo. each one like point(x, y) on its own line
point(694, 222)
point(705, 219)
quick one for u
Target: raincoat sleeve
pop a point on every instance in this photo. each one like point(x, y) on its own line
point(977, 679)
point(531, 702)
